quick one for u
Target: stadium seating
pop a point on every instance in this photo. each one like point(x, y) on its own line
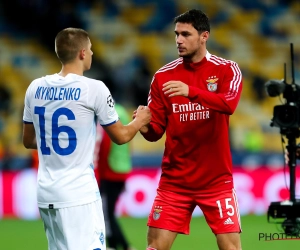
point(255, 35)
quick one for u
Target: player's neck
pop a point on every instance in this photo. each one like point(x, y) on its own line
point(73, 69)
point(197, 57)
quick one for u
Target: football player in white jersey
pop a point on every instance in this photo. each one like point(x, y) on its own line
point(60, 116)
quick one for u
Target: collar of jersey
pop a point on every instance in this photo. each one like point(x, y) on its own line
point(197, 65)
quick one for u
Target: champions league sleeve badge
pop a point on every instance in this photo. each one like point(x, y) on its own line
point(110, 101)
point(156, 213)
point(212, 84)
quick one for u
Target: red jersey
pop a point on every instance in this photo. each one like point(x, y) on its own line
point(197, 155)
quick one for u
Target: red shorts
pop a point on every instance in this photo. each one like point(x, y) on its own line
point(172, 211)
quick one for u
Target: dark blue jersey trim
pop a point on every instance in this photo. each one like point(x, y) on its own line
point(105, 125)
point(27, 122)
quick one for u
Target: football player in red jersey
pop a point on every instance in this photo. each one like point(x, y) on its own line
point(191, 100)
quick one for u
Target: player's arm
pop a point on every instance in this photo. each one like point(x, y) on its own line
point(121, 134)
point(224, 101)
point(29, 138)
point(156, 128)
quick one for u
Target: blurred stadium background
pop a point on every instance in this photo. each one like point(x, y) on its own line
point(131, 40)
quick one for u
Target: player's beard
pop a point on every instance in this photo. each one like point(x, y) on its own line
point(189, 56)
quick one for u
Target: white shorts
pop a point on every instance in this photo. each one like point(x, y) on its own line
point(73, 228)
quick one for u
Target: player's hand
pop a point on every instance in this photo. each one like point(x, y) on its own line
point(134, 114)
point(143, 129)
point(143, 114)
point(175, 88)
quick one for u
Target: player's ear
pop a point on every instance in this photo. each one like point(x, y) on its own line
point(82, 54)
point(205, 36)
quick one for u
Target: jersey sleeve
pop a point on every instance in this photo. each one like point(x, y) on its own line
point(228, 95)
point(27, 116)
point(105, 107)
point(159, 117)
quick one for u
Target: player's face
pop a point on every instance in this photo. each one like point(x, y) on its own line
point(188, 40)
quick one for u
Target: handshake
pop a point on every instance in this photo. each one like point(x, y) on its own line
point(143, 115)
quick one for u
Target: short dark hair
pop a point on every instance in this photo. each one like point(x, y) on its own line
point(197, 18)
point(69, 42)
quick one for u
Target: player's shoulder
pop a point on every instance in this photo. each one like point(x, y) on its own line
point(92, 85)
point(92, 82)
point(36, 82)
point(167, 68)
point(219, 61)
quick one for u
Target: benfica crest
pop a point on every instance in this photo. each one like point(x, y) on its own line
point(212, 84)
point(156, 213)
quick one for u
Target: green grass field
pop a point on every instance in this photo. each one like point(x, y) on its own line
point(29, 235)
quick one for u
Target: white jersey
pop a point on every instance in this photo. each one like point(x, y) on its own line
point(64, 112)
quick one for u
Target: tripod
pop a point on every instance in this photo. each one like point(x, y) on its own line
point(289, 210)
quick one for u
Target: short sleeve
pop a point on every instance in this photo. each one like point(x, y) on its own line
point(105, 107)
point(27, 114)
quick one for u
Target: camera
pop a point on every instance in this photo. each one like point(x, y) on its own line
point(287, 118)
